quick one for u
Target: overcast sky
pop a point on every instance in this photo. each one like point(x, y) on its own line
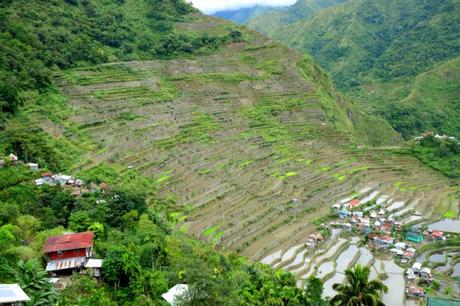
point(212, 6)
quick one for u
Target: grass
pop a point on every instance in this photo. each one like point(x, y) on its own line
point(92, 75)
point(217, 237)
point(199, 131)
point(208, 232)
point(163, 177)
point(450, 215)
point(233, 77)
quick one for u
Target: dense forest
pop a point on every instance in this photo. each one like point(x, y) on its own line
point(440, 154)
point(38, 37)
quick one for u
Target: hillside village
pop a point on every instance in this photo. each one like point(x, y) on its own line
point(151, 154)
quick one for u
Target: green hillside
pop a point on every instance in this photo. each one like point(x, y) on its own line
point(198, 142)
point(374, 50)
point(272, 22)
point(243, 15)
point(433, 103)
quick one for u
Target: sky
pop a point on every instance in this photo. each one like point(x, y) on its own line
point(213, 6)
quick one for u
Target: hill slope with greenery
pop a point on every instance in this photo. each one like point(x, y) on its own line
point(199, 129)
point(374, 50)
point(37, 38)
point(271, 22)
point(243, 15)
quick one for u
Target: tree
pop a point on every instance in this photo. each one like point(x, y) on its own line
point(29, 226)
point(98, 229)
point(8, 234)
point(358, 290)
point(121, 265)
point(79, 221)
point(34, 282)
point(314, 291)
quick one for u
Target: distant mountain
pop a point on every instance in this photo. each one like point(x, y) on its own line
point(378, 51)
point(270, 23)
point(243, 15)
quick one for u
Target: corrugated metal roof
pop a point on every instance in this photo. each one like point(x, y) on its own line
point(94, 263)
point(442, 302)
point(176, 294)
point(12, 293)
point(63, 264)
point(69, 242)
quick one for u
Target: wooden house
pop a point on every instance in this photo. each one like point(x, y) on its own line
point(68, 253)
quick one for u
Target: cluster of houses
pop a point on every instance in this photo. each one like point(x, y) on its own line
point(366, 222)
point(50, 179)
point(417, 271)
point(436, 136)
point(314, 239)
point(66, 181)
point(381, 231)
point(13, 159)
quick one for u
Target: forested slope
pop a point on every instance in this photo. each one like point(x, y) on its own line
point(374, 50)
point(196, 127)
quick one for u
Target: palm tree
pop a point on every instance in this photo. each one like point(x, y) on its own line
point(357, 290)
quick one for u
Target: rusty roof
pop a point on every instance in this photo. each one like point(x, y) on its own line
point(69, 242)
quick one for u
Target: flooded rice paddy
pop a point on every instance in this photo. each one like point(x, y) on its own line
point(451, 226)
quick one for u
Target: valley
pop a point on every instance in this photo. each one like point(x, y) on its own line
point(212, 156)
point(242, 143)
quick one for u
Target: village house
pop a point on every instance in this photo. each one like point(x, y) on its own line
point(336, 207)
point(50, 179)
point(344, 213)
point(415, 292)
point(313, 239)
point(416, 267)
point(12, 295)
point(397, 251)
point(383, 241)
point(46, 179)
point(408, 255)
point(13, 158)
point(387, 226)
point(353, 203)
point(425, 273)
point(414, 236)
point(68, 253)
point(435, 235)
point(32, 166)
point(365, 227)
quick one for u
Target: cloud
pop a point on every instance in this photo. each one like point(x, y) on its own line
point(213, 6)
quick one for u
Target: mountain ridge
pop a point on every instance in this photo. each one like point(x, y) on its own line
point(365, 44)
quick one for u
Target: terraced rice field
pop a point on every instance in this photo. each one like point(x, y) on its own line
point(445, 266)
point(243, 142)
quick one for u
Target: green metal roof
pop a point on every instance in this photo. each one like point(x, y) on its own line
point(442, 302)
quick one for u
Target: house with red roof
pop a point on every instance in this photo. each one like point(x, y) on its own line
point(68, 252)
point(435, 235)
point(354, 203)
